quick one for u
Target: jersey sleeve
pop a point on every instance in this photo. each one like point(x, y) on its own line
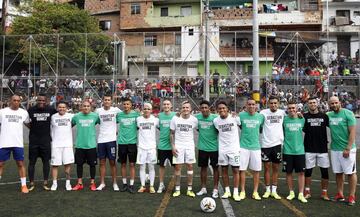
point(157, 122)
point(118, 117)
point(173, 123)
point(26, 118)
point(238, 121)
point(97, 119)
point(74, 120)
point(196, 122)
point(262, 120)
point(351, 120)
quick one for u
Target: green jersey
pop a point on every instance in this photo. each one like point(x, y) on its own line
point(250, 130)
point(85, 129)
point(339, 123)
point(208, 134)
point(164, 127)
point(293, 136)
point(127, 127)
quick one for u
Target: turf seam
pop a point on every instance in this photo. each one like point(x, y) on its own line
point(165, 201)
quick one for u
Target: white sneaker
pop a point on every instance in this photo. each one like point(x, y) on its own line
point(68, 187)
point(116, 187)
point(215, 194)
point(53, 187)
point(101, 187)
point(161, 189)
point(201, 192)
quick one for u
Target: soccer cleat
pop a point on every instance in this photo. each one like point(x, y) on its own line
point(190, 193)
point(161, 189)
point(301, 198)
point(53, 187)
point(93, 186)
point(256, 196)
point(68, 187)
point(100, 187)
point(152, 190)
point(116, 187)
point(46, 188)
point(201, 192)
point(275, 195)
point(266, 195)
point(236, 197)
point(215, 194)
point(351, 201)
point(141, 189)
point(24, 189)
point(339, 197)
point(324, 196)
point(176, 194)
point(226, 195)
point(78, 187)
point(131, 189)
point(124, 188)
point(32, 187)
point(307, 194)
point(242, 195)
point(291, 195)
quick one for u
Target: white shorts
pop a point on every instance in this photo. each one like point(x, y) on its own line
point(251, 158)
point(146, 156)
point(318, 159)
point(343, 165)
point(186, 156)
point(226, 159)
point(62, 156)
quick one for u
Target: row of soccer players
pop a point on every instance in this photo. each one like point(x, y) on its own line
point(219, 142)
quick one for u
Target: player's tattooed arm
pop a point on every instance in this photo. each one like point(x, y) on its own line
point(172, 140)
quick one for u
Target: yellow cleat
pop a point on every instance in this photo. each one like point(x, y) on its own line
point(291, 195)
point(301, 198)
point(152, 190)
point(176, 194)
point(242, 195)
point(226, 195)
point(190, 193)
point(266, 195)
point(236, 197)
point(256, 196)
point(275, 196)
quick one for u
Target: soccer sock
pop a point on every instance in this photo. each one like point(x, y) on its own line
point(236, 191)
point(177, 178)
point(92, 172)
point(189, 187)
point(132, 181)
point(46, 169)
point(23, 181)
point(142, 175)
point(79, 171)
point(273, 188)
point(190, 177)
point(177, 188)
point(268, 188)
point(124, 181)
point(54, 182)
point(162, 184)
point(227, 189)
point(67, 182)
point(151, 174)
point(307, 189)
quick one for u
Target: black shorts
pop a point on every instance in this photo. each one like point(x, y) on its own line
point(293, 162)
point(125, 151)
point(42, 151)
point(163, 155)
point(272, 154)
point(205, 156)
point(88, 156)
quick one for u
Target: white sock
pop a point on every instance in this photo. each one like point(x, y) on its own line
point(236, 191)
point(268, 188)
point(307, 189)
point(227, 189)
point(54, 182)
point(177, 188)
point(142, 175)
point(151, 174)
point(273, 188)
point(215, 190)
point(132, 181)
point(189, 187)
point(23, 181)
point(124, 181)
point(67, 182)
point(162, 184)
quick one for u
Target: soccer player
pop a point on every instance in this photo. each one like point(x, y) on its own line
point(229, 147)
point(127, 138)
point(62, 152)
point(107, 141)
point(147, 125)
point(294, 151)
point(85, 145)
point(12, 119)
point(208, 147)
point(271, 140)
point(164, 149)
point(183, 146)
point(40, 139)
point(316, 150)
point(342, 125)
point(250, 149)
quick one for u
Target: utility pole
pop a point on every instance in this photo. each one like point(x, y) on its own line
point(207, 53)
point(256, 68)
point(4, 15)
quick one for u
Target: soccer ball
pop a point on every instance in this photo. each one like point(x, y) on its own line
point(208, 204)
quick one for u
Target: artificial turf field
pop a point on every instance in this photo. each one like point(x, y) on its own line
point(109, 203)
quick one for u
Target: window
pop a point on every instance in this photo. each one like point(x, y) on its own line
point(164, 12)
point(185, 11)
point(105, 25)
point(178, 39)
point(343, 13)
point(135, 8)
point(150, 40)
point(356, 13)
point(153, 71)
point(309, 5)
point(191, 32)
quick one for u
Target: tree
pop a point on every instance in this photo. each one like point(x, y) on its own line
point(60, 32)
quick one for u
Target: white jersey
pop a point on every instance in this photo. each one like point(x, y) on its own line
point(229, 140)
point(107, 129)
point(12, 125)
point(61, 130)
point(147, 131)
point(272, 133)
point(184, 131)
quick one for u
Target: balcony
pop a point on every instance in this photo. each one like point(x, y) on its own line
point(172, 21)
point(244, 52)
point(160, 53)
